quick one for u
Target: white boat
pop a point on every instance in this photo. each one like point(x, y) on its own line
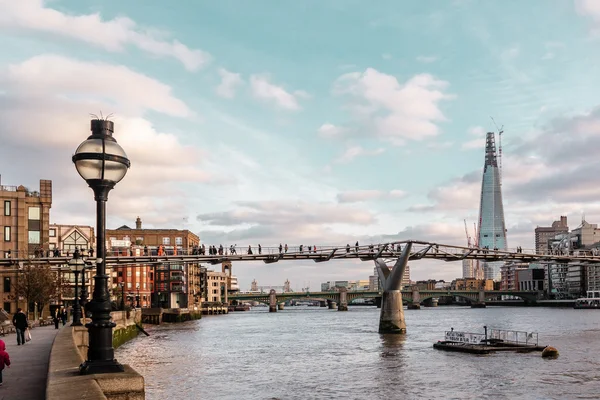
point(592, 300)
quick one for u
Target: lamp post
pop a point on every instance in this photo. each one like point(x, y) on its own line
point(84, 292)
point(102, 163)
point(122, 284)
point(76, 265)
point(138, 296)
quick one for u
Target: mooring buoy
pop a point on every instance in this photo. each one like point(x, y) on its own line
point(550, 352)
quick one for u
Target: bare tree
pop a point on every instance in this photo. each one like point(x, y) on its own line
point(38, 284)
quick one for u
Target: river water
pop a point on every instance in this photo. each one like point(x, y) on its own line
point(316, 353)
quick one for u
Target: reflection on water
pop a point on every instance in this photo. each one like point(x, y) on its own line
point(311, 352)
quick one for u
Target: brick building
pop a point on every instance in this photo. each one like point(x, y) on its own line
point(24, 223)
point(168, 285)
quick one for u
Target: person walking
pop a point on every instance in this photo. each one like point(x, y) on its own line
point(20, 322)
point(56, 318)
point(64, 316)
point(4, 359)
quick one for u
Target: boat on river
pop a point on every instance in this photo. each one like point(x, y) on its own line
point(591, 301)
point(491, 341)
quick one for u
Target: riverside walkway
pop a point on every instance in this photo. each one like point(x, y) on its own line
point(28, 372)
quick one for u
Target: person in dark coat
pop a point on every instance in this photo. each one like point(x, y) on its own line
point(20, 322)
point(56, 318)
point(64, 316)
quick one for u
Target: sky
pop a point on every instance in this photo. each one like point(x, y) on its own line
point(314, 122)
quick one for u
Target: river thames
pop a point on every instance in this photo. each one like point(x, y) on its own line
point(316, 353)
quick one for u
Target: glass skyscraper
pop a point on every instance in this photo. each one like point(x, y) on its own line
point(492, 229)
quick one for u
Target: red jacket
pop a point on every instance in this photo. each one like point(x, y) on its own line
point(4, 358)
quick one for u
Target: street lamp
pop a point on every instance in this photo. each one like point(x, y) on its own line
point(138, 296)
point(122, 284)
point(102, 163)
point(76, 265)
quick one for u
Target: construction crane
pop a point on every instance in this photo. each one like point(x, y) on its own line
point(500, 132)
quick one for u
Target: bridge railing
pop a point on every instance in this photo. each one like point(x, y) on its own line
point(514, 337)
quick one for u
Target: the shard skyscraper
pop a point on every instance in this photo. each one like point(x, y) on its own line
point(492, 229)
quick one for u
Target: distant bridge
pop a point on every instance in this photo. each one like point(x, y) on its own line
point(409, 296)
point(419, 250)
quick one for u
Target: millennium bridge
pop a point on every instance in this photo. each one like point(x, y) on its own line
point(398, 253)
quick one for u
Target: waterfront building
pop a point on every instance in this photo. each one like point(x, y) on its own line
point(169, 285)
point(472, 284)
point(373, 283)
point(24, 223)
point(361, 284)
point(287, 286)
point(254, 286)
point(65, 239)
point(544, 235)
point(216, 287)
point(530, 279)
point(508, 273)
point(492, 228)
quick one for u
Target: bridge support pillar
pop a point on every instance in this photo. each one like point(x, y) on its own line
point(391, 319)
point(280, 306)
point(343, 306)
point(323, 303)
point(272, 301)
point(414, 306)
point(481, 300)
point(332, 304)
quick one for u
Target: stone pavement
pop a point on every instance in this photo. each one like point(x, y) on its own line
point(26, 377)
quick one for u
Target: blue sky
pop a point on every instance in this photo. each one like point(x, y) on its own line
point(314, 122)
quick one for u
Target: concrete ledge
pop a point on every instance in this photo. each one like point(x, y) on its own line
point(65, 382)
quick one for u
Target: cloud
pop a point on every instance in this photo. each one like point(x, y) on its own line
point(478, 143)
point(427, 59)
point(386, 56)
point(590, 8)
point(353, 152)
point(265, 90)
point(330, 130)
point(229, 83)
point(112, 35)
point(59, 76)
point(45, 112)
point(366, 195)
point(383, 107)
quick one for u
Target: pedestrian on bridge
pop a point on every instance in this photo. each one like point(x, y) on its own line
point(356, 246)
point(301, 248)
point(259, 249)
point(249, 250)
point(348, 248)
point(285, 247)
point(280, 248)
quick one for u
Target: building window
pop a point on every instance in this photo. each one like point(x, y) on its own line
point(34, 237)
point(178, 241)
point(128, 272)
point(34, 213)
point(75, 240)
point(7, 285)
point(137, 273)
point(52, 233)
point(7, 208)
point(128, 285)
point(7, 233)
point(166, 241)
point(144, 286)
point(139, 240)
point(7, 307)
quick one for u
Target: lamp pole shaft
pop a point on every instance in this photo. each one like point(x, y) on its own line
point(122, 297)
point(76, 307)
point(101, 354)
point(83, 296)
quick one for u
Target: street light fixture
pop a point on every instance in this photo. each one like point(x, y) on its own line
point(76, 265)
point(102, 163)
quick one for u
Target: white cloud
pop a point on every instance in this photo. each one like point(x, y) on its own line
point(229, 83)
point(478, 143)
point(265, 90)
point(589, 8)
point(386, 56)
point(112, 35)
point(45, 114)
point(354, 196)
point(65, 77)
point(356, 151)
point(476, 131)
point(330, 130)
point(389, 110)
point(427, 59)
